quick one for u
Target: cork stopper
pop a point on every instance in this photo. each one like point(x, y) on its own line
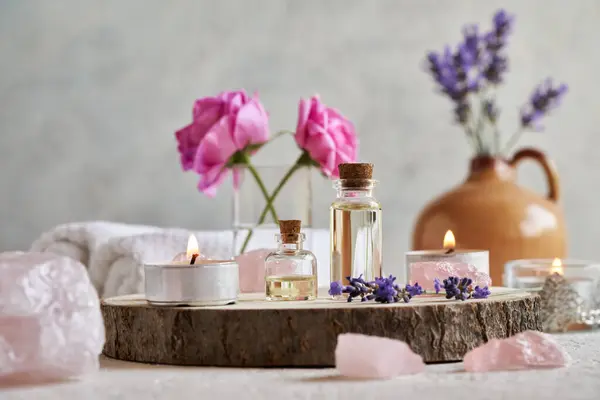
point(356, 171)
point(290, 230)
point(356, 174)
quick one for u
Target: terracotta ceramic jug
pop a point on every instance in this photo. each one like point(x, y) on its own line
point(490, 211)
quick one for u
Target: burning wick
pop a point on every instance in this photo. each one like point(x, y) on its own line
point(557, 267)
point(192, 249)
point(449, 242)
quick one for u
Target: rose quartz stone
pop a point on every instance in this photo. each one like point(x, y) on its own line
point(362, 356)
point(425, 272)
point(252, 270)
point(526, 350)
point(50, 321)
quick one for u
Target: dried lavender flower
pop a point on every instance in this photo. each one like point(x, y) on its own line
point(336, 288)
point(481, 292)
point(385, 291)
point(437, 285)
point(544, 99)
point(462, 289)
point(414, 290)
point(441, 67)
point(490, 110)
point(496, 63)
point(503, 23)
point(496, 67)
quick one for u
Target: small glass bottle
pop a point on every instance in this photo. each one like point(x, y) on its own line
point(355, 225)
point(291, 272)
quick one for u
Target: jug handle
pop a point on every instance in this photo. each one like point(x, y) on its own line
point(547, 165)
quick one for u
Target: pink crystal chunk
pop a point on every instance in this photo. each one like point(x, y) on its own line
point(526, 350)
point(252, 270)
point(425, 272)
point(362, 356)
point(50, 321)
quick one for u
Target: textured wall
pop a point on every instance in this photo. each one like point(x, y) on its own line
point(90, 93)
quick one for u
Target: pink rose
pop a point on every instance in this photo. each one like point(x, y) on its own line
point(327, 136)
point(221, 126)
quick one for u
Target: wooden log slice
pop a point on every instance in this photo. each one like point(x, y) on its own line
point(257, 333)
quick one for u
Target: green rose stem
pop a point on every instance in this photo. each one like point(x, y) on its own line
point(262, 188)
point(303, 160)
point(512, 141)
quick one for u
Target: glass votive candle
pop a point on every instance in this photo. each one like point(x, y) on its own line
point(570, 289)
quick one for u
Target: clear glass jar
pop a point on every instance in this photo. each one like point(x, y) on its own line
point(291, 271)
point(569, 290)
point(294, 199)
point(355, 231)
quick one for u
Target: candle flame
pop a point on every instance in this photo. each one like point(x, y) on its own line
point(449, 241)
point(192, 247)
point(557, 267)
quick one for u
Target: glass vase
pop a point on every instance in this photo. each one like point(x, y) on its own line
point(294, 201)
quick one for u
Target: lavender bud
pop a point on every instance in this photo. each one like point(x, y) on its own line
point(437, 285)
point(336, 288)
point(481, 293)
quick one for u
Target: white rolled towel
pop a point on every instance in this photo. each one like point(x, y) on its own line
point(116, 268)
point(79, 240)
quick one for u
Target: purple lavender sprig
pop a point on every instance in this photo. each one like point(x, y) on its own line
point(386, 290)
point(476, 66)
point(382, 290)
point(480, 292)
point(545, 98)
point(358, 287)
point(461, 289)
point(496, 63)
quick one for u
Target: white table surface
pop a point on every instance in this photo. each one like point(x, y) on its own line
point(124, 380)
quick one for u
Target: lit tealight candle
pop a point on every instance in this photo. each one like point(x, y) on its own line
point(421, 264)
point(449, 242)
point(567, 288)
point(191, 255)
point(556, 267)
point(192, 279)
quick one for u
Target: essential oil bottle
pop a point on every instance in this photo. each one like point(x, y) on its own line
point(291, 272)
point(355, 225)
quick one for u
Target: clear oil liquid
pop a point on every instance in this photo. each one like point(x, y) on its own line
point(292, 287)
point(356, 241)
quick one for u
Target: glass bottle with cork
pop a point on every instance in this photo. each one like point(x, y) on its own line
point(291, 271)
point(355, 225)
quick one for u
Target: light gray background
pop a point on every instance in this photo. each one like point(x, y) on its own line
point(91, 93)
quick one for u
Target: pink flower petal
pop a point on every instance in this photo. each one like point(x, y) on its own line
point(252, 125)
point(321, 148)
point(318, 111)
point(229, 96)
point(211, 179)
point(216, 149)
point(207, 109)
point(303, 113)
point(188, 140)
point(234, 101)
